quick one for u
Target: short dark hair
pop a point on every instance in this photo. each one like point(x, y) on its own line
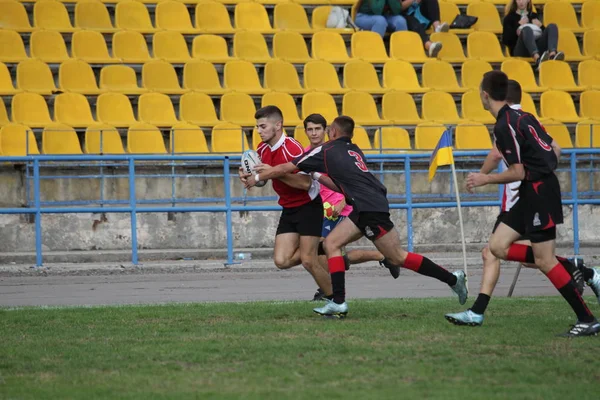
point(345, 124)
point(269, 112)
point(495, 83)
point(316, 119)
point(513, 94)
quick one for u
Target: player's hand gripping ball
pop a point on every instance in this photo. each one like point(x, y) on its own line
point(328, 211)
point(250, 159)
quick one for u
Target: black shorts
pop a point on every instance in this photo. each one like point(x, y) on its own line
point(305, 220)
point(538, 210)
point(372, 224)
point(500, 219)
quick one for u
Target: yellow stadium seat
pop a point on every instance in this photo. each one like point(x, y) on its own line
point(472, 73)
point(300, 136)
point(144, 138)
point(448, 12)
point(485, 46)
point(368, 46)
point(201, 76)
point(187, 138)
point(133, 16)
point(211, 48)
point(291, 47)
point(160, 76)
point(30, 109)
point(90, 46)
point(170, 46)
point(361, 139)
point(319, 103)
point(587, 134)
point(3, 114)
point(400, 109)
point(251, 46)
point(156, 109)
point(562, 14)
point(452, 50)
point(521, 71)
point(390, 139)
point(282, 76)
point(174, 16)
point(291, 17)
point(73, 109)
point(321, 76)
point(528, 105)
point(48, 46)
point(557, 75)
point(286, 104)
point(407, 46)
point(440, 107)
point(590, 14)
point(361, 107)
point(6, 83)
point(198, 109)
point(589, 74)
point(212, 17)
point(591, 43)
point(131, 47)
point(473, 110)
point(472, 136)
point(35, 76)
point(92, 15)
point(51, 15)
point(229, 138)
point(439, 75)
point(589, 104)
point(120, 79)
point(319, 19)
point(559, 106)
point(241, 76)
point(77, 76)
point(559, 133)
point(252, 16)
point(427, 135)
point(12, 48)
point(400, 75)
point(60, 139)
point(329, 46)
point(361, 75)
point(102, 139)
point(238, 108)
point(487, 15)
point(18, 140)
point(14, 17)
point(115, 109)
point(568, 44)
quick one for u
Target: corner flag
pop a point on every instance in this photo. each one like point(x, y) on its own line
point(442, 155)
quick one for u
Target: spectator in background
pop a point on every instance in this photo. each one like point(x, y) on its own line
point(525, 35)
point(420, 15)
point(380, 16)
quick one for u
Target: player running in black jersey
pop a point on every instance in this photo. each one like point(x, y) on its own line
point(526, 148)
point(347, 173)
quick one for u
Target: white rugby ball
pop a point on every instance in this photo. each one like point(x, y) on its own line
point(250, 159)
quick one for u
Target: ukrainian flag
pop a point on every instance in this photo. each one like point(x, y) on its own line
point(442, 155)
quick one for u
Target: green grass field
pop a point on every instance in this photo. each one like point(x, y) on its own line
point(384, 349)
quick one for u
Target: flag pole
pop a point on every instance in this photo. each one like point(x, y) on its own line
point(460, 219)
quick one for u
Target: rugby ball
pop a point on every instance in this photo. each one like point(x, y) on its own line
point(250, 159)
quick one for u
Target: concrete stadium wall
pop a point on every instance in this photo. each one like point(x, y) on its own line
point(205, 231)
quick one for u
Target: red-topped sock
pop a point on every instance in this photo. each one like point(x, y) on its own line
point(425, 266)
point(337, 269)
point(561, 280)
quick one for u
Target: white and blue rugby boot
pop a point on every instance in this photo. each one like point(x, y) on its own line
point(460, 288)
point(332, 309)
point(465, 318)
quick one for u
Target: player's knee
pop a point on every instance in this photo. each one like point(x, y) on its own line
point(486, 254)
point(329, 246)
point(498, 250)
point(309, 262)
point(282, 262)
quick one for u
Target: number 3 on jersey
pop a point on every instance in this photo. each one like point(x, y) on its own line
point(359, 161)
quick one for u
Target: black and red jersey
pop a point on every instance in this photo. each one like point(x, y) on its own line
point(344, 163)
point(523, 140)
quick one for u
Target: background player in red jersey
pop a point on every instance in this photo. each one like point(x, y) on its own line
point(299, 229)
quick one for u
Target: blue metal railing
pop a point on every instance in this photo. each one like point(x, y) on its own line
point(133, 206)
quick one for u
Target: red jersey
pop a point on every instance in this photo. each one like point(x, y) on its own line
point(284, 151)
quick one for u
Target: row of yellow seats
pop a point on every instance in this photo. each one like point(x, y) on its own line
point(77, 76)
point(234, 2)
